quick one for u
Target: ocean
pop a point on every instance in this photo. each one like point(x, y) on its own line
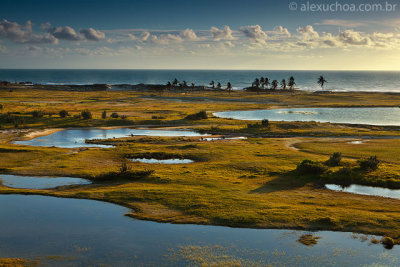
point(380, 81)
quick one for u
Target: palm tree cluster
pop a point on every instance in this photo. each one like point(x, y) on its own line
point(219, 86)
point(266, 83)
point(176, 84)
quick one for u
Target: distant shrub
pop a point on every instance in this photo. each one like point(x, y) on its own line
point(265, 122)
point(1, 107)
point(124, 117)
point(37, 114)
point(114, 115)
point(124, 172)
point(104, 115)
point(311, 167)
point(335, 159)
point(63, 113)
point(154, 117)
point(86, 114)
point(387, 242)
point(370, 164)
point(77, 116)
point(202, 115)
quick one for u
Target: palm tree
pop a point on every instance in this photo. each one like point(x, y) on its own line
point(274, 84)
point(212, 83)
point(321, 81)
point(291, 82)
point(262, 81)
point(283, 84)
point(185, 84)
point(219, 86)
point(229, 87)
point(257, 83)
point(266, 82)
point(169, 85)
point(175, 82)
point(192, 85)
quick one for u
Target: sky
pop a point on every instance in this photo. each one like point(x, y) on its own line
point(200, 34)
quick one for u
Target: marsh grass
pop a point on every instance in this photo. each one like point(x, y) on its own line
point(243, 183)
point(308, 239)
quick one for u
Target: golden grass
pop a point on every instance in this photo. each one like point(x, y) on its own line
point(243, 183)
point(15, 262)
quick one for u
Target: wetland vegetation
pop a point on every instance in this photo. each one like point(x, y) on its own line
point(249, 182)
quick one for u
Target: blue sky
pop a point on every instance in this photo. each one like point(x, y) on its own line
point(197, 34)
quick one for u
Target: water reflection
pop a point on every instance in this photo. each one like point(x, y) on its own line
point(366, 190)
point(93, 233)
point(76, 137)
point(39, 182)
point(373, 116)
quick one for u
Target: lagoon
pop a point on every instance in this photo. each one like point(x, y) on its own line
point(373, 116)
point(39, 182)
point(366, 190)
point(73, 138)
point(87, 232)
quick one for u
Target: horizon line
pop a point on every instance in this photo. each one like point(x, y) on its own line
point(166, 69)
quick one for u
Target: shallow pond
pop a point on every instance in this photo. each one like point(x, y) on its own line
point(163, 161)
point(366, 190)
point(87, 232)
point(39, 182)
point(373, 116)
point(76, 137)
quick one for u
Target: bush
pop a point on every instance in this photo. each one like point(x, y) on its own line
point(387, 242)
point(335, 159)
point(202, 115)
point(37, 114)
point(114, 115)
point(104, 115)
point(63, 113)
point(86, 114)
point(124, 117)
point(154, 117)
point(124, 172)
point(1, 107)
point(265, 122)
point(311, 167)
point(370, 164)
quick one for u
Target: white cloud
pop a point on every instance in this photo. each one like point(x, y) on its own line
point(351, 37)
point(144, 36)
point(221, 34)
point(253, 32)
point(92, 34)
point(281, 31)
point(165, 38)
point(131, 36)
point(23, 33)
point(188, 34)
point(64, 33)
point(308, 33)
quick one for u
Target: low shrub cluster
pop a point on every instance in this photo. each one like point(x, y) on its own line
point(86, 114)
point(311, 168)
point(335, 159)
point(37, 114)
point(124, 172)
point(370, 164)
point(63, 113)
point(202, 115)
point(264, 123)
